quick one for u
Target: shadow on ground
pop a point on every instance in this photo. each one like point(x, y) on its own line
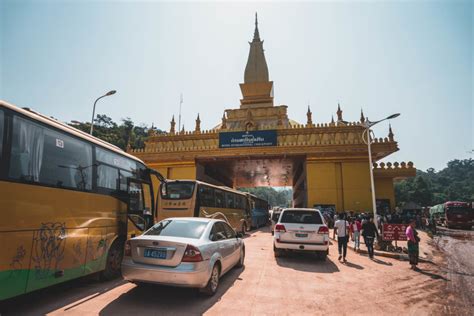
point(149, 299)
point(55, 297)
point(307, 262)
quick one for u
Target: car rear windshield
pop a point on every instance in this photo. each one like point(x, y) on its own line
point(178, 228)
point(301, 217)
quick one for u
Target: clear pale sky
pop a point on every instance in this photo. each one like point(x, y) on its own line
point(414, 57)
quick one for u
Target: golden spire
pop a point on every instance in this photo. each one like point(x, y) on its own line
point(309, 116)
point(173, 124)
point(362, 117)
point(339, 113)
point(256, 69)
point(224, 121)
point(390, 133)
point(256, 34)
point(197, 129)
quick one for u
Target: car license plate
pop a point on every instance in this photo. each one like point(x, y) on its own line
point(301, 235)
point(155, 253)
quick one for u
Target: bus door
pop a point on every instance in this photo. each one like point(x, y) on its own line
point(140, 207)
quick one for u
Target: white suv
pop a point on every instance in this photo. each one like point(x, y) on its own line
point(301, 229)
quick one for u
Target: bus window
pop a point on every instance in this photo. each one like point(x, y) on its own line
point(220, 201)
point(206, 196)
point(229, 197)
point(107, 177)
point(49, 157)
point(67, 162)
point(238, 202)
point(27, 150)
point(178, 191)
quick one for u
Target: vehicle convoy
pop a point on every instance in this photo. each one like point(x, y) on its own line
point(184, 251)
point(453, 214)
point(70, 201)
point(258, 211)
point(191, 198)
point(301, 230)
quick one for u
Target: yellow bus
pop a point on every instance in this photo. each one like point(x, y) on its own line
point(191, 198)
point(68, 202)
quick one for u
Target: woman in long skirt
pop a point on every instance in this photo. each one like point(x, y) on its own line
point(413, 242)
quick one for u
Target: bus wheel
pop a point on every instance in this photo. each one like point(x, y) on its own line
point(114, 261)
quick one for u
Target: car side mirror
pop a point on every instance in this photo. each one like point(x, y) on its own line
point(239, 235)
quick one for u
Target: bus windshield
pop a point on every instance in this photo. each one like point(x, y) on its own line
point(458, 211)
point(178, 190)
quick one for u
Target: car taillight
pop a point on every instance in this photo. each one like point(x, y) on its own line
point(323, 230)
point(280, 228)
point(192, 254)
point(128, 249)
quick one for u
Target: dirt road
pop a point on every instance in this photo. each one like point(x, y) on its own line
point(299, 285)
point(458, 248)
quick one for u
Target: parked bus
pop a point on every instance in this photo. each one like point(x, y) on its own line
point(258, 211)
point(191, 198)
point(453, 214)
point(68, 200)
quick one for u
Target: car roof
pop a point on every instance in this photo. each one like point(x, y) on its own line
point(301, 209)
point(197, 219)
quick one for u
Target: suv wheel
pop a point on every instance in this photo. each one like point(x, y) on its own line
point(277, 252)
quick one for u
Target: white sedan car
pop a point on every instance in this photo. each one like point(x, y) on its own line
point(301, 229)
point(184, 251)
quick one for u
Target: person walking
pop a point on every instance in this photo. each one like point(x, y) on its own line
point(413, 241)
point(369, 232)
point(355, 229)
point(341, 228)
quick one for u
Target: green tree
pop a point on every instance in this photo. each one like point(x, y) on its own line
point(455, 182)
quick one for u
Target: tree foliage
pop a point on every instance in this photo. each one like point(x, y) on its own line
point(120, 135)
point(274, 197)
point(453, 183)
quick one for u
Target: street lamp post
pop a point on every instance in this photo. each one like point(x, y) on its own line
point(111, 92)
point(368, 124)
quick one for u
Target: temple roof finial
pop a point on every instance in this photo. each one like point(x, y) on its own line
point(390, 133)
point(362, 117)
point(309, 117)
point(339, 112)
point(197, 129)
point(172, 127)
point(256, 34)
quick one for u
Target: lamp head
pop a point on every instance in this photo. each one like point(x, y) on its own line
point(393, 116)
point(110, 92)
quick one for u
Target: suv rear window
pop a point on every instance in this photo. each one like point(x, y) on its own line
point(301, 217)
point(178, 228)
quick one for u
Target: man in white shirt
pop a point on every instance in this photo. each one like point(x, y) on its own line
point(341, 228)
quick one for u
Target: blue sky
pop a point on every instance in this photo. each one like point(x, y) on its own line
point(414, 57)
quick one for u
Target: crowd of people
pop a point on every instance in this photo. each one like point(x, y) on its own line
point(348, 227)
